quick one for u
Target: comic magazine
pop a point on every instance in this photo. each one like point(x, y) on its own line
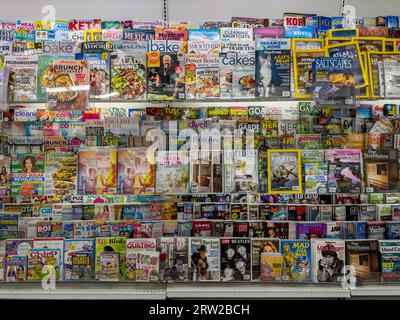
point(258, 246)
point(79, 256)
point(204, 256)
point(235, 259)
point(296, 260)
point(389, 260)
point(41, 262)
point(303, 71)
point(381, 170)
point(97, 171)
point(174, 260)
point(5, 175)
point(166, 70)
point(136, 171)
point(16, 268)
point(273, 70)
point(363, 256)
point(284, 168)
point(316, 177)
point(27, 174)
point(142, 260)
point(60, 173)
point(18, 247)
point(110, 258)
point(72, 75)
point(240, 171)
point(344, 170)
point(328, 260)
point(128, 75)
point(172, 174)
point(334, 83)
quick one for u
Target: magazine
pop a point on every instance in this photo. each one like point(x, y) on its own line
point(243, 76)
point(27, 174)
point(296, 260)
point(136, 173)
point(284, 168)
point(165, 70)
point(363, 256)
point(174, 260)
point(97, 171)
point(389, 260)
point(172, 174)
point(205, 259)
point(391, 72)
point(235, 259)
point(142, 260)
point(128, 76)
point(5, 175)
point(71, 76)
point(316, 177)
point(110, 258)
point(16, 268)
point(344, 170)
point(60, 173)
point(328, 260)
point(259, 246)
point(41, 262)
point(79, 259)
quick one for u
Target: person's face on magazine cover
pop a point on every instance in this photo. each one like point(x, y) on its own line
point(167, 60)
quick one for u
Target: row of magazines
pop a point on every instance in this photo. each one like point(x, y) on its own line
point(195, 259)
point(200, 64)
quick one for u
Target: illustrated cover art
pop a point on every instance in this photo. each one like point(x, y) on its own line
point(381, 170)
point(259, 246)
point(174, 260)
point(27, 174)
point(79, 257)
point(97, 171)
point(334, 83)
point(128, 76)
point(363, 256)
point(296, 260)
point(72, 77)
point(316, 177)
point(42, 261)
point(110, 258)
point(235, 259)
point(329, 260)
point(344, 173)
point(172, 174)
point(204, 259)
point(166, 70)
point(136, 172)
point(270, 266)
point(16, 268)
point(18, 247)
point(284, 168)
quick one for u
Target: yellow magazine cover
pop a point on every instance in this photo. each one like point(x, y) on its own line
point(365, 91)
point(93, 35)
point(284, 168)
point(370, 44)
point(390, 45)
point(303, 72)
point(270, 266)
point(307, 44)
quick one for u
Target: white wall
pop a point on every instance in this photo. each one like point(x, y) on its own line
point(194, 10)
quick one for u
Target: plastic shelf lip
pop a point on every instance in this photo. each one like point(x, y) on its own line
point(376, 290)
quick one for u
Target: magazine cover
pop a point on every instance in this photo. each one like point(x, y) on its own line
point(316, 177)
point(296, 260)
point(273, 69)
point(363, 256)
point(303, 72)
point(311, 230)
point(99, 77)
point(18, 247)
point(259, 246)
point(334, 83)
point(344, 173)
point(136, 173)
point(204, 259)
point(328, 260)
point(240, 170)
point(41, 262)
point(60, 173)
point(235, 259)
point(5, 175)
point(381, 170)
point(142, 260)
point(172, 174)
point(391, 68)
point(243, 75)
point(110, 258)
point(27, 174)
point(350, 50)
point(389, 260)
point(97, 171)
point(174, 260)
point(201, 180)
point(166, 70)
point(271, 266)
point(284, 168)
point(16, 268)
point(72, 76)
point(128, 76)
point(79, 259)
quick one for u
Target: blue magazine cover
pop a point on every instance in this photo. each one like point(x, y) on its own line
point(296, 260)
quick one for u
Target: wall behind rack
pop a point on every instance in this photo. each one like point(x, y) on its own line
point(194, 10)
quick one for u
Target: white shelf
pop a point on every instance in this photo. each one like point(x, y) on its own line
point(376, 290)
point(255, 291)
point(84, 291)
